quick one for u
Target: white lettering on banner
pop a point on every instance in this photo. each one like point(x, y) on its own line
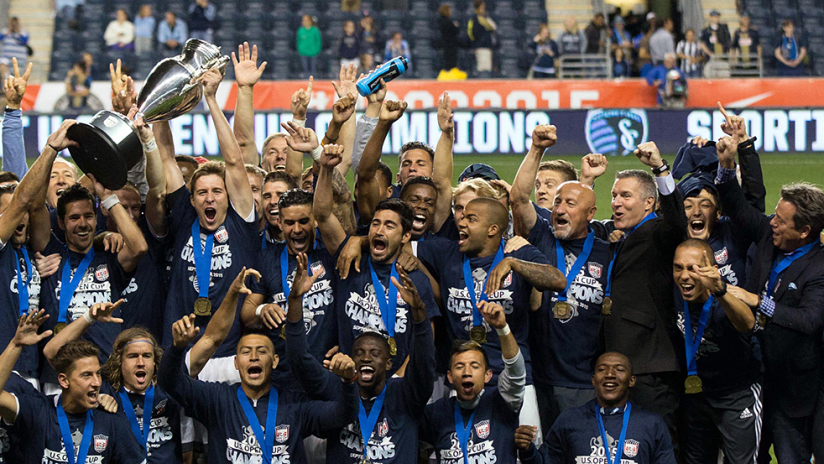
point(512, 132)
point(776, 126)
point(426, 99)
point(486, 99)
point(517, 96)
point(577, 98)
point(462, 145)
point(752, 121)
point(772, 128)
point(800, 118)
point(818, 116)
point(322, 123)
point(459, 98)
point(181, 128)
point(204, 135)
point(553, 99)
point(485, 132)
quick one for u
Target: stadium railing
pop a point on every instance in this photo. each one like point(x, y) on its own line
point(734, 65)
point(595, 66)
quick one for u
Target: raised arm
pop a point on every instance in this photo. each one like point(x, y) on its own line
point(330, 227)
point(300, 104)
point(750, 222)
point(134, 243)
point(237, 183)
point(247, 73)
point(443, 165)
point(99, 312)
point(14, 149)
point(737, 311)
point(523, 214)
point(541, 276)
point(752, 179)
point(344, 109)
point(366, 124)
point(166, 149)
point(512, 381)
point(26, 335)
point(156, 178)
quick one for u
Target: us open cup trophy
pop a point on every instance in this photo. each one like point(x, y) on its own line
point(108, 145)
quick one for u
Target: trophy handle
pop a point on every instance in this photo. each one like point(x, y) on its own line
point(218, 63)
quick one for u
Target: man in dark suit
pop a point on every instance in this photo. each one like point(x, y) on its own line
point(639, 318)
point(785, 288)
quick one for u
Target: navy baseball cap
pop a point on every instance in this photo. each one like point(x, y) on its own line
point(692, 185)
point(479, 171)
point(691, 159)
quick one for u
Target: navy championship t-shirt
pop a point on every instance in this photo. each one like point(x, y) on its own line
point(358, 310)
point(236, 243)
point(445, 262)
point(112, 441)
point(569, 344)
point(730, 250)
point(145, 296)
point(11, 435)
point(318, 302)
point(492, 432)
point(27, 363)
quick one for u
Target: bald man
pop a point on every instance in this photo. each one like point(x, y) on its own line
point(565, 327)
point(475, 268)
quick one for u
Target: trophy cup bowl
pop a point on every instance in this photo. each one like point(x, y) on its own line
point(108, 145)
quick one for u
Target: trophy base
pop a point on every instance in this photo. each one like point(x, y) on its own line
point(107, 148)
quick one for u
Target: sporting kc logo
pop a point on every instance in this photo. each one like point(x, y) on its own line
point(100, 442)
point(616, 132)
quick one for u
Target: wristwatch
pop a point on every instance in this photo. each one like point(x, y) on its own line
point(661, 169)
point(721, 292)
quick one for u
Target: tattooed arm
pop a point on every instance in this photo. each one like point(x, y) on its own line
point(541, 276)
point(343, 208)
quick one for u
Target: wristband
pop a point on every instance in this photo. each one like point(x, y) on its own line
point(151, 145)
point(88, 317)
point(661, 169)
point(109, 202)
point(298, 122)
point(316, 153)
point(721, 292)
point(52, 147)
point(351, 380)
point(503, 332)
point(258, 310)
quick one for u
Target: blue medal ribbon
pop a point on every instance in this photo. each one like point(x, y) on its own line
point(388, 306)
point(463, 431)
point(649, 216)
point(148, 405)
point(23, 287)
point(265, 441)
point(608, 290)
point(263, 241)
point(367, 423)
point(576, 266)
point(203, 266)
point(780, 266)
point(469, 281)
point(68, 284)
point(284, 270)
point(66, 432)
point(691, 344)
point(619, 450)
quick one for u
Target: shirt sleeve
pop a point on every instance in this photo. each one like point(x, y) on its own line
point(325, 415)
point(193, 395)
point(512, 382)
point(419, 379)
point(363, 131)
point(14, 151)
point(724, 175)
point(316, 381)
point(663, 452)
point(427, 295)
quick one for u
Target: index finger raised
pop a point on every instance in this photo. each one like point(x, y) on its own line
point(16, 67)
point(723, 111)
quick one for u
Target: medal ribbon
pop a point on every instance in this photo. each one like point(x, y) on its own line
point(66, 432)
point(608, 290)
point(367, 423)
point(284, 271)
point(148, 405)
point(23, 287)
point(691, 344)
point(265, 441)
point(470, 284)
point(780, 266)
point(576, 266)
point(463, 432)
point(68, 284)
point(203, 266)
point(388, 306)
point(263, 241)
point(619, 450)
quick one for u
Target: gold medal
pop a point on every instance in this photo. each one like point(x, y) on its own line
point(283, 332)
point(203, 307)
point(606, 306)
point(562, 310)
point(393, 347)
point(693, 385)
point(365, 461)
point(60, 326)
point(478, 334)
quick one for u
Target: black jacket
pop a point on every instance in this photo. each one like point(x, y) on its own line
point(642, 323)
point(791, 343)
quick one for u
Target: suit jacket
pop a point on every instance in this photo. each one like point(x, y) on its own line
point(642, 323)
point(792, 341)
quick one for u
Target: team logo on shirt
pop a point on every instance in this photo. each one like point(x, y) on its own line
point(100, 442)
point(482, 429)
point(318, 269)
point(160, 408)
point(508, 280)
point(383, 428)
point(721, 256)
point(102, 273)
point(594, 269)
point(221, 234)
point(281, 433)
point(631, 448)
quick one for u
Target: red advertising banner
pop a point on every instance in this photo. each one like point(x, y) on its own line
point(509, 94)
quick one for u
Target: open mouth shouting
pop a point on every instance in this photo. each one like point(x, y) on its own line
point(141, 376)
point(380, 247)
point(687, 290)
point(254, 372)
point(419, 223)
point(463, 237)
point(93, 397)
point(366, 373)
point(697, 227)
point(210, 213)
point(20, 229)
point(300, 243)
point(467, 387)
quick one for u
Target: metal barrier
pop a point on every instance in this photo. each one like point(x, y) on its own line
point(734, 65)
point(585, 66)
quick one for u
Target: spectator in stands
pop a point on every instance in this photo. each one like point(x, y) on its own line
point(15, 42)
point(547, 50)
point(202, 20)
point(620, 38)
point(790, 51)
point(91, 68)
point(620, 67)
point(450, 30)
point(78, 86)
point(481, 29)
point(689, 52)
point(715, 38)
point(350, 6)
point(662, 42)
point(172, 33)
point(144, 27)
point(746, 41)
point(370, 38)
point(643, 63)
point(69, 10)
point(349, 48)
point(670, 82)
point(596, 34)
point(573, 41)
point(119, 33)
point(367, 61)
point(396, 46)
point(309, 45)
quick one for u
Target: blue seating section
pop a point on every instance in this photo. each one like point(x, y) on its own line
point(808, 18)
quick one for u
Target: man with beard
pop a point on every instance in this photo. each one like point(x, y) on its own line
point(390, 408)
point(476, 268)
point(610, 425)
point(22, 206)
point(367, 301)
point(275, 184)
point(478, 423)
point(268, 302)
point(67, 427)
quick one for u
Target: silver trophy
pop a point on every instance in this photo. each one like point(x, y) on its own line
point(109, 145)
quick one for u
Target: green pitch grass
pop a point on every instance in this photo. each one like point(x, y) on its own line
point(778, 170)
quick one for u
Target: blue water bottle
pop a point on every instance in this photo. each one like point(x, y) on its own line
point(387, 71)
